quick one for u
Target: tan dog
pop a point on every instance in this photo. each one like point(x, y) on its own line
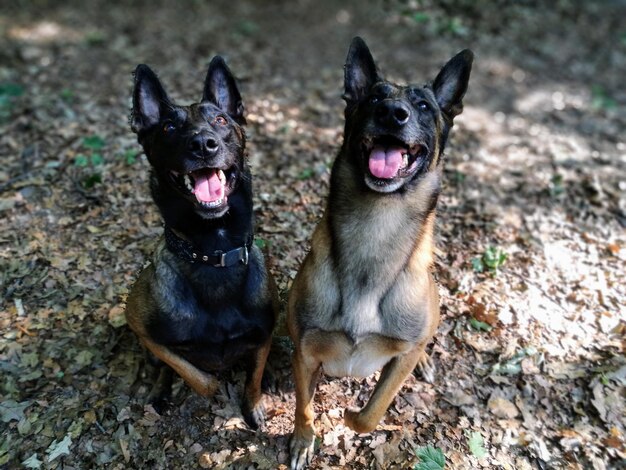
point(364, 298)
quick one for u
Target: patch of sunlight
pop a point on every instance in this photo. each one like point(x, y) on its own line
point(44, 32)
point(547, 100)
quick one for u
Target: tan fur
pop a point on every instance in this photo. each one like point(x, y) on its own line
point(367, 304)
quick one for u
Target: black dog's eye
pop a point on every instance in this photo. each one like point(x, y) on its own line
point(168, 127)
point(423, 106)
point(374, 99)
point(220, 120)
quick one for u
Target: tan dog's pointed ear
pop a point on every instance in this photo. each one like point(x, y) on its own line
point(451, 83)
point(360, 71)
point(149, 100)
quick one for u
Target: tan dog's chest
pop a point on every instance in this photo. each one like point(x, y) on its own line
point(341, 356)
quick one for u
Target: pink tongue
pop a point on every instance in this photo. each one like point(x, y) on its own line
point(385, 163)
point(208, 186)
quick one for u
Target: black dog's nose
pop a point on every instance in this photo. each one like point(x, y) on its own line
point(392, 113)
point(202, 144)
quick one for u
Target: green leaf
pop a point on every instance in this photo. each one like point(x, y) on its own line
point(32, 462)
point(96, 159)
point(492, 259)
point(95, 38)
point(306, 174)
point(477, 265)
point(91, 180)
point(94, 142)
point(247, 27)
point(57, 449)
point(10, 410)
point(67, 95)
point(556, 185)
point(81, 160)
point(476, 443)
point(12, 90)
point(600, 99)
point(480, 325)
point(431, 458)
point(130, 156)
point(260, 242)
point(420, 17)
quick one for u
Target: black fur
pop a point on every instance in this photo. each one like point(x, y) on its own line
point(430, 112)
point(211, 316)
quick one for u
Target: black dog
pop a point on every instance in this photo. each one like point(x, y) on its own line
point(207, 299)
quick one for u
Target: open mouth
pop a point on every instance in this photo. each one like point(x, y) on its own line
point(390, 159)
point(209, 186)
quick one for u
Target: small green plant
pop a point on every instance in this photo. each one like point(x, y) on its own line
point(556, 185)
point(247, 27)
point(129, 156)
point(419, 17)
point(492, 259)
point(261, 243)
point(480, 325)
point(431, 458)
point(95, 38)
point(600, 98)
point(455, 26)
point(67, 95)
point(9, 92)
point(306, 174)
point(92, 159)
point(476, 444)
point(513, 365)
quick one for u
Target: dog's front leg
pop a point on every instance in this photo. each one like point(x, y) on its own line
point(391, 379)
point(201, 382)
point(253, 408)
point(305, 370)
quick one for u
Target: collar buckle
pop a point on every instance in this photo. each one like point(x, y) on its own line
point(221, 256)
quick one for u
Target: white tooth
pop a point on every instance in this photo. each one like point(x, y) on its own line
point(213, 203)
point(221, 176)
point(405, 159)
point(188, 183)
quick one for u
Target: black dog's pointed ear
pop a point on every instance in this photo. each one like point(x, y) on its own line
point(221, 89)
point(451, 83)
point(359, 72)
point(149, 99)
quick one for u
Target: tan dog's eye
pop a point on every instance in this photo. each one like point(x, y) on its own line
point(221, 120)
point(168, 127)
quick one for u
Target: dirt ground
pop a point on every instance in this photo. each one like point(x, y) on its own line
point(531, 240)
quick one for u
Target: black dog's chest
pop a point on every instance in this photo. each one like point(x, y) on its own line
point(210, 338)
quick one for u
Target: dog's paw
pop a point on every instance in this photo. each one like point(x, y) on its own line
point(354, 419)
point(301, 449)
point(254, 416)
point(427, 368)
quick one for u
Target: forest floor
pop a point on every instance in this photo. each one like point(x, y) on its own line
point(531, 229)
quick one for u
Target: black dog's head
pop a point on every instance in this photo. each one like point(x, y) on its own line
point(395, 133)
point(196, 151)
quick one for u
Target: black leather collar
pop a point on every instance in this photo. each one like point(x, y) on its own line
point(220, 259)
